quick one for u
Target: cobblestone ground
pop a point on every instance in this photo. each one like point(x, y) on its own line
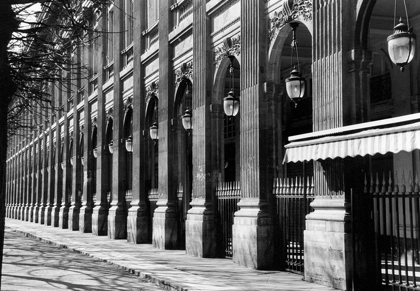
point(29, 264)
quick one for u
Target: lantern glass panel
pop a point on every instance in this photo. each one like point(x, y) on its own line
point(401, 49)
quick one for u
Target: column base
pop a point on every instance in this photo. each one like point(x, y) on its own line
point(117, 223)
point(63, 217)
point(47, 215)
point(328, 255)
point(22, 212)
point(138, 229)
point(41, 215)
point(31, 212)
point(85, 219)
point(99, 220)
point(165, 227)
point(74, 218)
point(200, 231)
point(36, 214)
point(55, 216)
point(253, 236)
point(17, 212)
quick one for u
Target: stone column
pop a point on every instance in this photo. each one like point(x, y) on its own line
point(100, 211)
point(33, 206)
point(85, 214)
point(38, 176)
point(138, 220)
point(58, 174)
point(20, 181)
point(200, 225)
point(76, 171)
point(253, 227)
point(340, 93)
point(117, 216)
point(26, 181)
point(63, 220)
point(50, 178)
point(13, 186)
point(165, 221)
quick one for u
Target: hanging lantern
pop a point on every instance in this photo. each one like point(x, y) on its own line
point(71, 161)
point(129, 144)
point(186, 120)
point(402, 45)
point(95, 152)
point(231, 104)
point(82, 160)
point(111, 147)
point(295, 86)
point(154, 130)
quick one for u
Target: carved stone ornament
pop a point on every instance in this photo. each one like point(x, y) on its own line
point(109, 114)
point(152, 90)
point(128, 103)
point(94, 122)
point(184, 72)
point(230, 47)
point(289, 11)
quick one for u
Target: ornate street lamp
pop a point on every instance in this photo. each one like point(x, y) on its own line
point(111, 147)
point(295, 84)
point(129, 144)
point(154, 132)
point(402, 43)
point(186, 120)
point(231, 102)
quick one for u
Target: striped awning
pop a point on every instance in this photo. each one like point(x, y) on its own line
point(367, 142)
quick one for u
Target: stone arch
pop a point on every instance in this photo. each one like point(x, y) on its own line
point(219, 78)
point(276, 48)
point(364, 10)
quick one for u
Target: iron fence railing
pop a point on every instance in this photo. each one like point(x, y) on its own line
point(293, 199)
point(396, 220)
point(228, 195)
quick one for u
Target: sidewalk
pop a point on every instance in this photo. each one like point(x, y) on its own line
point(171, 268)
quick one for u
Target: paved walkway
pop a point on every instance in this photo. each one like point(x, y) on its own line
point(30, 264)
point(171, 268)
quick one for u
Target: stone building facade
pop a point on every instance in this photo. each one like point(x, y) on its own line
point(93, 166)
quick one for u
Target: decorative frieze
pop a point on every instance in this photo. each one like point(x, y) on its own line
point(231, 47)
point(289, 11)
point(183, 73)
point(152, 90)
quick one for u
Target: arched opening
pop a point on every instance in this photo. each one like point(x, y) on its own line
point(109, 137)
point(128, 138)
point(93, 159)
point(391, 93)
point(80, 174)
point(231, 124)
point(183, 140)
point(152, 154)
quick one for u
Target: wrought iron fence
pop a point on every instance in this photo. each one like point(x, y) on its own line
point(293, 199)
point(228, 195)
point(396, 219)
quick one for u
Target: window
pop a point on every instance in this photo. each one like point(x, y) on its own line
point(110, 36)
point(129, 22)
point(152, 12)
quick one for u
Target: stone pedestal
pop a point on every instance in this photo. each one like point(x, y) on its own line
point(63, 217)
point(117, 223)
point(41, 215)
point(36, 214)
point(17, 212)
point(74, 217)
point(85, 219)
point(328, 244)
point(47, 215)
point(138, 228)
point(165, 227)
point(99, 220)
point(31, 212)
point(55, 216)
point(200, 231)
point(25, 213)
point(253, 232)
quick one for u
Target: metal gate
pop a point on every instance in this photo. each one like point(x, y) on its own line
point(293, 199)
point(228, 195)
point(395, 214)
